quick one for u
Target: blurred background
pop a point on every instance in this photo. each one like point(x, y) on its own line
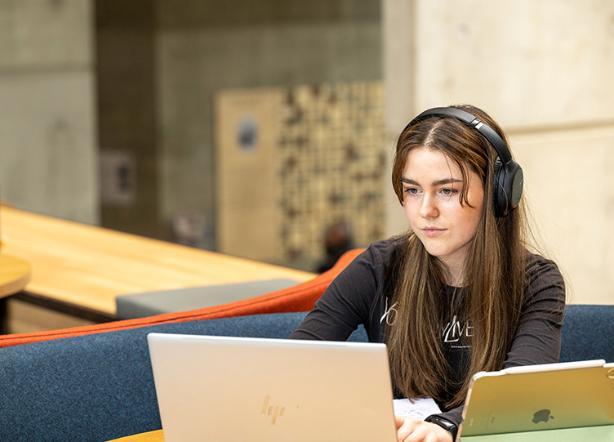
point(266, 129)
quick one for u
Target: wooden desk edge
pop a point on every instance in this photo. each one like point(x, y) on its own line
point(150, 436)
point(16, 280)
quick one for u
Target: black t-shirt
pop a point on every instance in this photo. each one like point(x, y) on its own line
point(363, 294)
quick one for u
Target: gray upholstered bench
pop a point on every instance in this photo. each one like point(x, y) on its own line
point(139, 305)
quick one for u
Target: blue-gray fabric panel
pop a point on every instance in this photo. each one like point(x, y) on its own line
point(100, 387)
point(588, 333)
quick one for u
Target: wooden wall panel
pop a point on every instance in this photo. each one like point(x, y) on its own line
point(247, 130)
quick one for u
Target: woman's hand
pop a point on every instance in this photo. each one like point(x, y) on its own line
point(415, 430)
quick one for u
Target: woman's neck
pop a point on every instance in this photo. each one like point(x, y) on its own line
point(454, 269)
point(454, 281)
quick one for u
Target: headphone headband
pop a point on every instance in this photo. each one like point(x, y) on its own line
point(471, 120)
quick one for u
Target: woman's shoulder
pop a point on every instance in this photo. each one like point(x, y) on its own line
point(381, 261)
point(543, 276)
point(386, 251)
point(538, 266)
point(379, 258)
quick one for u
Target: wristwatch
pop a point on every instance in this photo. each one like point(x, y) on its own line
point(444, 423)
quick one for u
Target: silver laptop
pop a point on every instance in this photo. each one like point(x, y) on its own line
point(548, 397)
point(228, 389)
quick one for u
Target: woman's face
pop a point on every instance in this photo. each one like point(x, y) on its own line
point(431, 198)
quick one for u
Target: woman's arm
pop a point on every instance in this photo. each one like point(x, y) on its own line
point(538, 336)
point(346, 303)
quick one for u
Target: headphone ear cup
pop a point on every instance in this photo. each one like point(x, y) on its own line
point(499, 199)
point(508, 187)
point(516, 182)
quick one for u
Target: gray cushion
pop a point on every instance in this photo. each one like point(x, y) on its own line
point(139, 305)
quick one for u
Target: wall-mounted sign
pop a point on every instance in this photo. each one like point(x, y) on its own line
point(247, 133)
point(117, 178)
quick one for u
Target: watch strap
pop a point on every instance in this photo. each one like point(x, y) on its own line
point(444, 423)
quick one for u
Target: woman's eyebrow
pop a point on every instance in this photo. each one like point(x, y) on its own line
point(434, 183)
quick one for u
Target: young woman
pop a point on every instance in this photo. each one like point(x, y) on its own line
point(460, 293)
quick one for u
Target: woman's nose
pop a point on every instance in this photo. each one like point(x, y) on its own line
point(428, 209)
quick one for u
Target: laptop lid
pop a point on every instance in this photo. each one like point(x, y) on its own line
point(540, 397)
point(228, 389)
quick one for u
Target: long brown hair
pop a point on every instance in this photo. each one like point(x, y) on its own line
point(494, 271)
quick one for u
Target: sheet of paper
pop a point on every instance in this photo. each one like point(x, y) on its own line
point(416, 408)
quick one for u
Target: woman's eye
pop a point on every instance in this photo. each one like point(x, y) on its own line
point(448, 191)
point(411, 191)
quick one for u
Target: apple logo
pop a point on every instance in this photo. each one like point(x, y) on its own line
point(542, 416)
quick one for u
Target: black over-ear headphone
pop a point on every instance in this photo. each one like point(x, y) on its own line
point(508, 173)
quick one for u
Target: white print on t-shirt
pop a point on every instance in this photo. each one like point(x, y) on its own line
point(390, 314)
point(454, 331)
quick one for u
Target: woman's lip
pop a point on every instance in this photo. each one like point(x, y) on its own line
point(432, 231)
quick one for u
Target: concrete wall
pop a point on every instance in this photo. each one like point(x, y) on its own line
point(211, 45)
point(126, 53)
point(570, 194)
point(47, 129)
point(543, 70)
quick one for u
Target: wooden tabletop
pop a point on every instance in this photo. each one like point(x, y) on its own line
point(89, 266)
point(14, 274)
